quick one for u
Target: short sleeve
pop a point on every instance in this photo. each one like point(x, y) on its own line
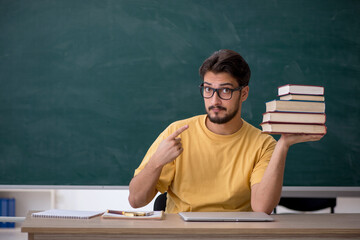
point(263, 160)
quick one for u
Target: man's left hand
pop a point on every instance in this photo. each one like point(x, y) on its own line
point(291, 139)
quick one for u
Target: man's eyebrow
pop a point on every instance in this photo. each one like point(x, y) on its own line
point(227, 84)
point(223, 84)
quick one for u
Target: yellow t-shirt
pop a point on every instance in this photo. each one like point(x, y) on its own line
point(214, 172)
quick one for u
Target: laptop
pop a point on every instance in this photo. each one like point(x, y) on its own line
point(225, 217)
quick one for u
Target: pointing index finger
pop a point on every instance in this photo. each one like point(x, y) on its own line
point(178, 132)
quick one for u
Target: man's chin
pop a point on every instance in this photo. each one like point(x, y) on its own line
point(218, 120)
point(215, 118)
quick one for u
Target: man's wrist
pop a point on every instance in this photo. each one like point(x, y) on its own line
point(283, 144)
point(154, 165)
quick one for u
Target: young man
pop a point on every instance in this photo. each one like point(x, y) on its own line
point(217, 161)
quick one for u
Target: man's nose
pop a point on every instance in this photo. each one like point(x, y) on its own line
point(215, 100)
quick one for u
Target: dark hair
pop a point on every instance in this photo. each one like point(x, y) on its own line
point(227, 61)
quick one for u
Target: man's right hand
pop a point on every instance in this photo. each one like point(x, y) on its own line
point(170, 148)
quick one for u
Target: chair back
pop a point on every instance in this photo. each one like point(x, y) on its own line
point(307, 204)
point(160, 202)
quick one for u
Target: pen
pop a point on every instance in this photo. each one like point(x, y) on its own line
point(131, 214)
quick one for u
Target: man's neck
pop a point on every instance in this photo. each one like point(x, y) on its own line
point(228, 128)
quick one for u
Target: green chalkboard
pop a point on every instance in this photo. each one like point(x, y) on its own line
point(86, 86)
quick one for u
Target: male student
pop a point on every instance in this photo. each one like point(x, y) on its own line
point(217, 161)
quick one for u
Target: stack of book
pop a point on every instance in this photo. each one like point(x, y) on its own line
point(300, 110)
point(7, 209)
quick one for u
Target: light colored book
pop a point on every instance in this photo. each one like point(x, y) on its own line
point(295, 128)
point(300, 89)
point(302, 97)
point(145, 215)
point(73, 214)
point(295, 106)
point(294, 117)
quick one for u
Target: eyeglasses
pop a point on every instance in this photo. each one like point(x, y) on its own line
point(223, 93)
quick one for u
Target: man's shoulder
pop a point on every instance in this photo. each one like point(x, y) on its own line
point(188, 121)
point(193, 122)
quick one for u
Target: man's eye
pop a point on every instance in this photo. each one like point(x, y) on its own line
point(226, 90)
point(207, 89)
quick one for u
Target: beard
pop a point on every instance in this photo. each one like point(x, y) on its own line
point(221, 120)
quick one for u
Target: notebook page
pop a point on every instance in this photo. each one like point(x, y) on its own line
point(73, 214)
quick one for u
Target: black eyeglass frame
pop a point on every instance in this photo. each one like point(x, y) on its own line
point(201, 86)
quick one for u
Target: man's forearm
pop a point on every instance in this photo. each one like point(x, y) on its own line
point(268, 192)
point(142, 187)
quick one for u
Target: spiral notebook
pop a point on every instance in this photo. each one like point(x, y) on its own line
point(73, 214)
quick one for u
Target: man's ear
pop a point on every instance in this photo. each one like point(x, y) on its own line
point(244, 93)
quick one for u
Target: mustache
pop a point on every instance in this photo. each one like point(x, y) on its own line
point(218, 107)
